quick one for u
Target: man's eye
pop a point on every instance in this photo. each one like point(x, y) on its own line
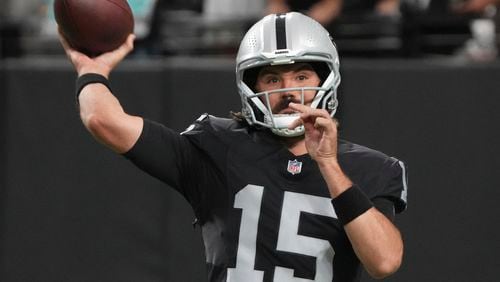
point(272, 80)
point(302, 77)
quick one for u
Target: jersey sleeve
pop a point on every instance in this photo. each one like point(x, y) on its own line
point(393, 184)
point(382, 178)
point(173, 159)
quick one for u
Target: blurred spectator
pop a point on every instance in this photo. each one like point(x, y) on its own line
point(474, 6)
point(464, 28)
point(11, 22)
point(360, 27)
point(482, 46)
point(17, 11)
point(326, 11)
point(3, 11)
point(233, 9)
point(143, 15)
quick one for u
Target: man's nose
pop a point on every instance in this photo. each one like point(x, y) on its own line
point(289, 83)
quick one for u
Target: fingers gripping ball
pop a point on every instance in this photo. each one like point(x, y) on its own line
point(94, 26)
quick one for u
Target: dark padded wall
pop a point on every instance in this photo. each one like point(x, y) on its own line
point(3, 152)
point(74, 211)
point(442, 120)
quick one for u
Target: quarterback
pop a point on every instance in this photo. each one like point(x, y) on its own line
point(278, 196)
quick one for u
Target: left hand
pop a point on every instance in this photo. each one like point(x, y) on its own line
point(320, 132)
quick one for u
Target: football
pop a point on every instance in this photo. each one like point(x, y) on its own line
point(94, 26)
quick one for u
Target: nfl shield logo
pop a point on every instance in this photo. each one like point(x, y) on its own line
point(294, 167)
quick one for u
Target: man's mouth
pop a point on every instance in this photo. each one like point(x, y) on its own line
point(282, 107)
point(287, 111)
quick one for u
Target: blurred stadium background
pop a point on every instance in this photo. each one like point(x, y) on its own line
point(197, 27)
point(422, 85)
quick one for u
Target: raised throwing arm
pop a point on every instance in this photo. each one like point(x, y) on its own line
point(100, 110)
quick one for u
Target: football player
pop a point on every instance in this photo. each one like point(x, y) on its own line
point(277, 195)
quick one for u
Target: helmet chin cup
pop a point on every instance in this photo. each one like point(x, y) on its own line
point(281, 122)
point(285, 132)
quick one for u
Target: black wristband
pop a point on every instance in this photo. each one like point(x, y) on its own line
point(90, 78)
point(350, 204)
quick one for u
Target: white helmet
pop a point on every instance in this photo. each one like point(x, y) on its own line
point(286, 39)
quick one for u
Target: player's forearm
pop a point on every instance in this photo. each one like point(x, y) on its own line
point(96, 102)
point(104, 118)
point(374, 238)
point(335, 178)
point(376, 242)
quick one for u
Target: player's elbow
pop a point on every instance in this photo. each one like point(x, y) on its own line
point(117, 131)
point(386, 266)
point(94, 123)
point(101, 127)
point(384, 271)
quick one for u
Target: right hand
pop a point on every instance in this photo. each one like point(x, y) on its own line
point(102, 64)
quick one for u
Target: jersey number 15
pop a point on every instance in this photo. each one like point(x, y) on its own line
point(249, 199)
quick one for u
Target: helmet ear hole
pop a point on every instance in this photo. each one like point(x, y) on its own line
point(250, 77)
point(321, 69)
point(259, 115)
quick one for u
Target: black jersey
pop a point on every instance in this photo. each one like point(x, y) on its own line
point(265, 214)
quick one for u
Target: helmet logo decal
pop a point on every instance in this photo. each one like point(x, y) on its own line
point(281, 31)
point(294, 167)
point(281, 52)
